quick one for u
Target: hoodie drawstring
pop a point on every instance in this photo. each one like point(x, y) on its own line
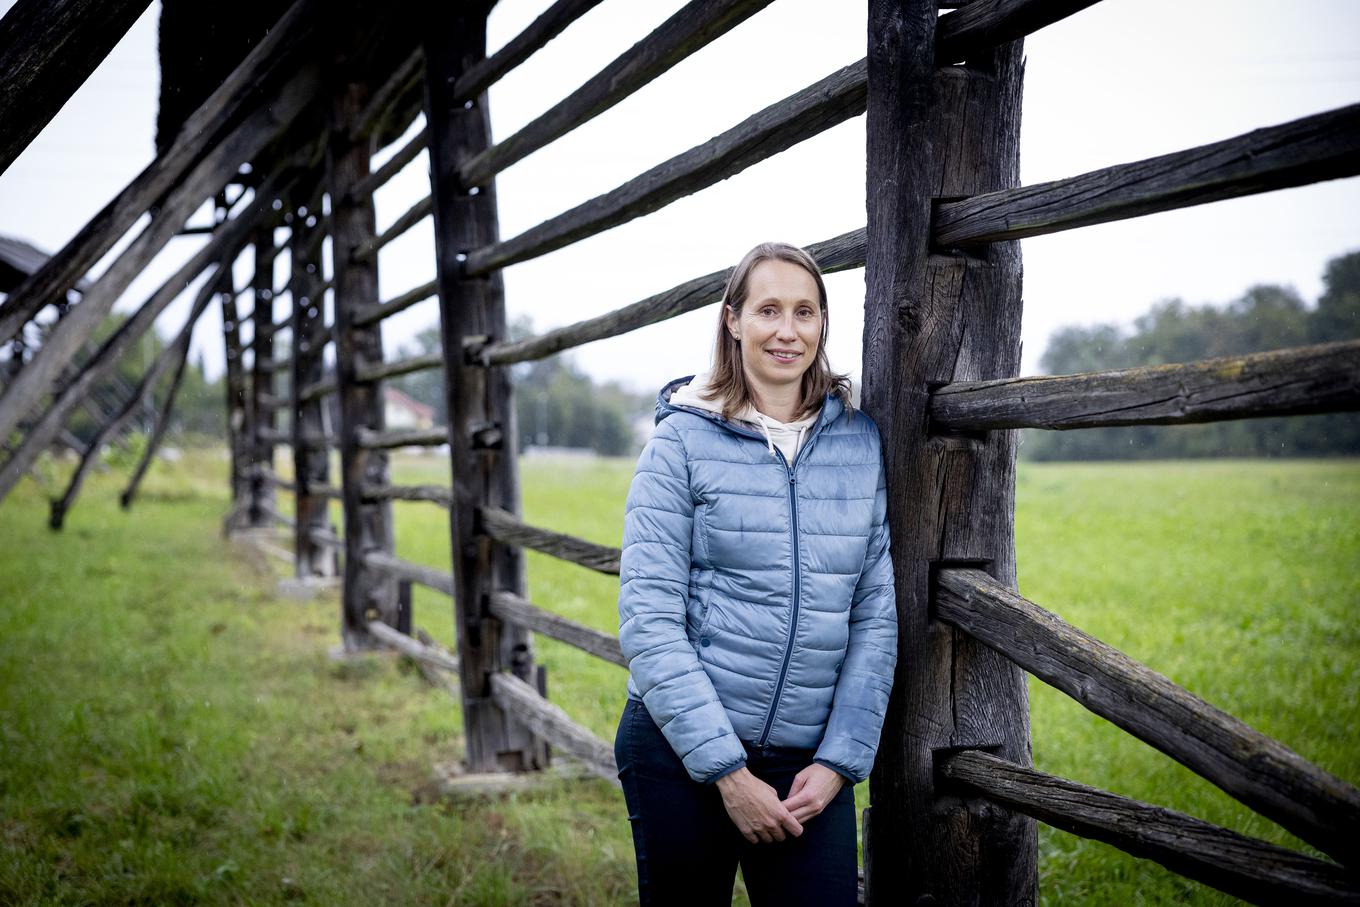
point(768, 440)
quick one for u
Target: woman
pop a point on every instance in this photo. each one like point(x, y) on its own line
point(756, 609)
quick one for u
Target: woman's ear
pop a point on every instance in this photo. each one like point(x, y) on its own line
point(730, 316)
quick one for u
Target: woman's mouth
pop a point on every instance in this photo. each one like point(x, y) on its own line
point(783, 355)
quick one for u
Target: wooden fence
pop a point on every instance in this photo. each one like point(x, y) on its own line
point(953, 790)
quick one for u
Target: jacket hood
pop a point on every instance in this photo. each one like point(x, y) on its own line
point(686, 395)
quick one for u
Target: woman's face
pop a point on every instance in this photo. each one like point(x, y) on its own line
point(780, 324)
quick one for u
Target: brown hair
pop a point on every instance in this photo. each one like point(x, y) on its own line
point(728, 381)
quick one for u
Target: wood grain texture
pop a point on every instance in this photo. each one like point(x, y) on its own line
point(394, 165)
point(510, 530)
point(1261, 772)
point(1253, 870)
point(477, 399)
point(374, 313)
point(435, 494)
point(1321, 147)
point(368, 439)
point(408, 219)
point(413, 648)
point(1306, 379)
point(513, 609)
point(981, 25)
point(929, 320)
point(780, 126)
point(486, 72)
point(381, 370)
point(694, 26)
point(261, 418)
point(430, 578)
point(48, 48)
point(518, 698)
point(271, 57)
point(839, 253)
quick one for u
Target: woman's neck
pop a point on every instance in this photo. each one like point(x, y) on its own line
point(779, 401)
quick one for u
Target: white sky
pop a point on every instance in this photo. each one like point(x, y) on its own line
point(1121, 81)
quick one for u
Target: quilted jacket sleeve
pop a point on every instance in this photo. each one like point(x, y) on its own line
point(861, 699)
point(653, 589)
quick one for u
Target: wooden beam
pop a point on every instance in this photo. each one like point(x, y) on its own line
point(264, 125)
point(395, 164)
point(411, 648)
point(403, 437)
point(1321, 147)
point(1261, 772)
point(516, 610)
point(809, 112)
point(379, 371)
point(508, 529)
point(486, 72)
point(691, 28)
point(1305, 379)
point(929, 320)
point(412, 216)
point(521, 702)
point(262, 421)
point(477, 398)
point(1253, 870)
point(839, 253)
point(980, 26)
point(375, 313)
point(48, 48)
point(176, 354)
point(438, 580)
point(230, 236)
point(435, 494)
point(367, 594)
point(239, 93)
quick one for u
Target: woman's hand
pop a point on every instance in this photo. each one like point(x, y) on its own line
point(813, 788)
point(754, 807)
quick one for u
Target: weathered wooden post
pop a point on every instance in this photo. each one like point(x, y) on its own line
point(932, 316)
point(311, 461)
point(368, 594)
point(236, 402)
point(262, 398)
point(481, 411)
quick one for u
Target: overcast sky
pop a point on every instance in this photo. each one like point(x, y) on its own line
point(1121, 81)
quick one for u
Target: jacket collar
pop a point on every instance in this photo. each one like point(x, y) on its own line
point(832, 407)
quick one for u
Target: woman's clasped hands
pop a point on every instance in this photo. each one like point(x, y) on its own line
point(761, 817)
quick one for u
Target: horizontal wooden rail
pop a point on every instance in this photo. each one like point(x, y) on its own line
point(412, 647)
point(412, 216)
point(801, 116)
point(438, 580)
point(508, 529)
point(522, 701)
point(405, 437)
point(370, 313)
point(980, 26)
point(1253, 870)
point(837, 254)
point(1305, 379)
point(320, 490)
point(397, 84)
point(399, 367)
point(691, 28)
point(279, 518)
point(316, 390)
point(394, 165)
point(1308, 150)
point(437, 494)
point(327, 539)
point(1258, 770)
point(512, 609)
point(484, 73)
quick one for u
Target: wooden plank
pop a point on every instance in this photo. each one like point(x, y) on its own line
point(175, 354)
point(237, 94)
point(381, 370)
point(438, 580)
point(1305, 379)
point(982, 25)
point(374, 313)
point(508, 529)
point(318, 389)
point(376, 109)
point(262, 420)
point(1258, 770)
point(693, 27)
point(807, 113)
point(311, 464)
point(486, 72)
point(257, 131)
point(929, 320)
point(521, 701)
point(230, 236)
point(412, 216)
point(1312, 149)
point(369, 439)
point(516, 610)
point(411, 648)
point(436, 494)
point(48, 48)
point(395, 164)
point(1253, 870)
point(477, 398)
point(839, 253)
point(366, 593)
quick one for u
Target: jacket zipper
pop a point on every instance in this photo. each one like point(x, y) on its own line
point(793, 617)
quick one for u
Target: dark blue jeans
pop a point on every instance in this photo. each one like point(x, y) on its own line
point(688, 848)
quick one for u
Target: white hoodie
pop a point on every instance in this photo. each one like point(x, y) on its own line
point(787, 436)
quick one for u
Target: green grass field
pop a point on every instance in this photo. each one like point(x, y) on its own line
point(173, 732)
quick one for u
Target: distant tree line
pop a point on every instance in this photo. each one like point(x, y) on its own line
point(1265, 317)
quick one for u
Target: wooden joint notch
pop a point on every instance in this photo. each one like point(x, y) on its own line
point(951, 563)
point(944, 439)
point(473, 345)
point(487, 436)
point(979, 252)
point(940, 755)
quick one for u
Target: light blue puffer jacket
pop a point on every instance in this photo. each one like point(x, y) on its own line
point(756, 597)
